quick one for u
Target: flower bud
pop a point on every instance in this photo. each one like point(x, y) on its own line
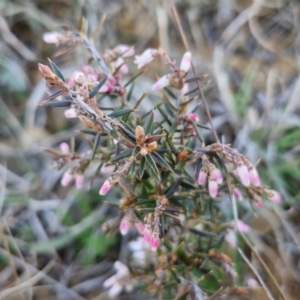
point(202, 177)
point(242, 227)
point(274, 196)
point(161, 83)
point(52, 37)
point(79, 180)
point(237, 193)
point(151, 147)
point(125, 50)
point(186, 62)
point(67, 178)
point(47, 73)
point(140, 134)
point(147, 233)
point(70, 113)
point(105, 187)
point(144, 151)
point(192, 117)
point(64, 148)
point(140, 227)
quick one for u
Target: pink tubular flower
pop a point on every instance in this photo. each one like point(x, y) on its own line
point(145, 58)
point(237, 194)
point(259, 204)
point(243, 173)
point(154, 241)
point(124, 226)
point(212, 188)
point(254, 177)
point(192, 117)
point(186, 62)
point(52, 37)
point(70, 113)
point(64, 148)
point(274, 196)
point(66, 179)
point(125, 50)
point(79, 179)
point(202, 177)
point(140, 227)
point(242, 227)
point(216, 175)
point(230, 238)
point(161, 83)
point(120, 63)
point(106, 186)
point(147, 233)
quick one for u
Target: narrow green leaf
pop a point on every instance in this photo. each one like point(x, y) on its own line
point(142, 166)
point(130, 92)
point(120, 112)
point(173, 188)
point(161, 161)
point(96, 144)
point(56, 70)
point(58, 103)
point(166, 119)
point(149, 125)
point(133, 78)
point(198, 132)
point(122, 155)
point(140, 101)
point(96, 89)
point(152, 164)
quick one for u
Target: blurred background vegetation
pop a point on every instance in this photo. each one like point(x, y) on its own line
point(250, 49)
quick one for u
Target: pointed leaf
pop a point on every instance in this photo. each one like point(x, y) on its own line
point(57, 103)
point(133, 78)
point(142, 166)
point(56, 70)
point(52, 97)
point(198, 132)
point(130, 92)
point(126, 132)
point(152, 164)
point(153, 138)
point(122, 155)
point(96, 89)
point(149, 125)
point(96, 144)
point(161, 161)
point(120, 112)
point(139, 101)
point(172, 189)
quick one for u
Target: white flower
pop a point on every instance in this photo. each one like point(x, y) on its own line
point(145, 58)
point(52, 37)
point(161, 83)
point(186, 62)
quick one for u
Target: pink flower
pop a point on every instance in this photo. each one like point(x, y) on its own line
point(252, 283)
point(52, 37)
point(161, 83)
point(254, 177)
point(140, 227)
point(125, 50)
point(147, 233)
point(185, 89)
point(154, 241)
point(242, 227)
point(216, 175)
point(230, 238)
point(212, 188)
point(67, 178)
point(70, 113)
point(243, 173)
point(192, 117)
point(186, 62)
point(202, 177)
point(79, 179)
point(145, 58)
point(259, 204)
point(64, 148)
point(124, 226)
point(120, 63)
point(237, 194)
point(274, 196)
point(105, 187)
